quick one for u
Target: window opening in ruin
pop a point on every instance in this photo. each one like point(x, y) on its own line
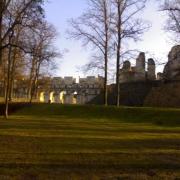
point(75, 97)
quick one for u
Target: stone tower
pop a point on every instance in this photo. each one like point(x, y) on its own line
point(151, 70)
point(125, 72)
point(140, 67)
point(172, 68)
point(126, 66)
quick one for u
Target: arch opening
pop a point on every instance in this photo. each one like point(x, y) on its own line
point(42, 97)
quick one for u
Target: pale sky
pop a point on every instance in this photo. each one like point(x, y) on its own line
point(155, 41)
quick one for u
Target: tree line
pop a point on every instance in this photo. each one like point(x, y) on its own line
point(26, 44)
point(107, 26)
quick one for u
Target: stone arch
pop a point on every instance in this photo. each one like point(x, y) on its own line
point(42, 97)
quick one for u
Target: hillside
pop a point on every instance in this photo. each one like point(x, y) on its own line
point(166, 95)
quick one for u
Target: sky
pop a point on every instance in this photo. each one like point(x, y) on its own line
point(155, 41)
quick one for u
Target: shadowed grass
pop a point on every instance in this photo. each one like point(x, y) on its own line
point(158, 116)
point(90, 142)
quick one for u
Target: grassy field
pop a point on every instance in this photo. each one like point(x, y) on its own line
point(90, 142)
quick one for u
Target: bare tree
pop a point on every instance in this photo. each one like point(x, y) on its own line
point(125, 26)
point(13, 14)
point(40, 43)
point(93, 28)
point(172, 8)
point(18, 60)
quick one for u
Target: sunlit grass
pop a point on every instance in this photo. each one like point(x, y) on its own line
point(90, 142)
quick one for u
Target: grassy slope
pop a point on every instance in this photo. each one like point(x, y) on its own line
point(90, 142)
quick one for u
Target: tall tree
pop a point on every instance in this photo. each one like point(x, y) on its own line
point(12, 15)
point(40, 43)
point(93, 28)
point(125, 26)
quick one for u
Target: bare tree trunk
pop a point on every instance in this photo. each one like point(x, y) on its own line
point(33, 89)
point(8, 78)
point(117, 77)
point(106, 54)
point(93, 28)
point(4, 79)
point(118, 54)
point(12, 70)
point(31, 93)
point(35, 81)
point(14, 59)
point(125, 26)
point(30, 86)
point(105, 82)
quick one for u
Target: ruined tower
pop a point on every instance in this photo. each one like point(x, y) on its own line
point(126, 66)
point(138, 73)
point(126, 75)
point(140, 67)
point(151, 70)
point(172, 68)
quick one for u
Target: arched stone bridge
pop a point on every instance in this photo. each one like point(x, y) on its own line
point(67, 91)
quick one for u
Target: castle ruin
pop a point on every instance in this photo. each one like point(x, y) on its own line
point(138, 72)
point(58, 90)
point(141, 73)
point(136, 83)
point(67, 91)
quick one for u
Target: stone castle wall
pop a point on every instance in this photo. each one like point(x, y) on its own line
point(138, 72)
point(60, 90)
point(67, 91)
point(139, 85)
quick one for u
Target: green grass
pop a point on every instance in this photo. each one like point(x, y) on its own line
point(90, 142)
